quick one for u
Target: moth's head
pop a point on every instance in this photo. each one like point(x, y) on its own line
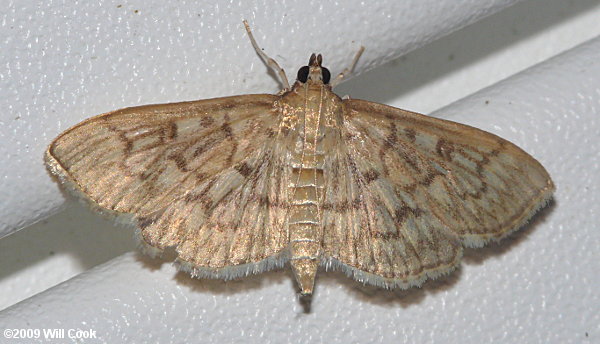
point(314, 72)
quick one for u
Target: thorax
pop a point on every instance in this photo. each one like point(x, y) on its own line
point(311, 110)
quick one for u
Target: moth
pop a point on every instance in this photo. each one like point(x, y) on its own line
point(244, 184)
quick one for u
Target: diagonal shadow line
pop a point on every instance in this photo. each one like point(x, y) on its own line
point(462, 48)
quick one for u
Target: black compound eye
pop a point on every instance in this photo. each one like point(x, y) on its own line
point(326, 75)
point(303, 74)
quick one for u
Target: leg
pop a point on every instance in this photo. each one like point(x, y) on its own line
point(269, 61)
point(348, 70)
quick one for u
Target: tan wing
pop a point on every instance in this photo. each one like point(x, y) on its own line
point(412, 188)
point(232, 225)
point(177, 168)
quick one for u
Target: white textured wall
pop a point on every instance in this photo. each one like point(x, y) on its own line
point(69, 61)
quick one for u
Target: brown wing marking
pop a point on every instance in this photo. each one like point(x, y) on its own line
point(246, 231)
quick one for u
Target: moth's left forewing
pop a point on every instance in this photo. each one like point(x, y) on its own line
point(477, 184)
point(137, 160)
point(195, 175)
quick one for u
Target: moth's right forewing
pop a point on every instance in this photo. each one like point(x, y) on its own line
point(477, 184)
point(405, 190)
point(139, 160)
